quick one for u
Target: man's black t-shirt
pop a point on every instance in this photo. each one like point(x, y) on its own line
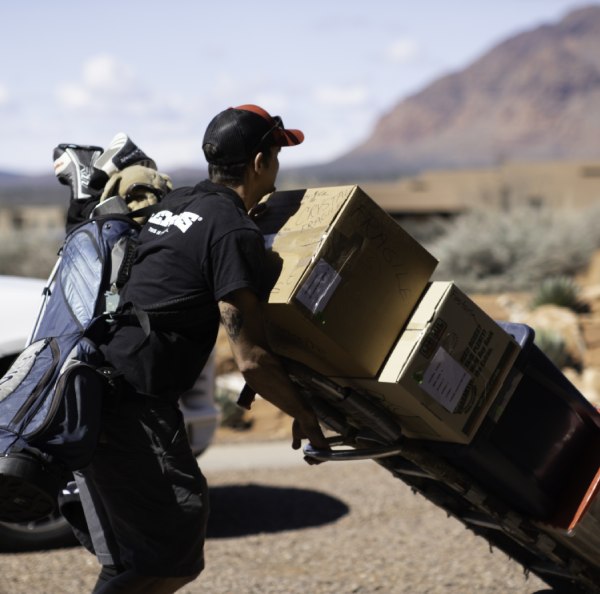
point(199, 248)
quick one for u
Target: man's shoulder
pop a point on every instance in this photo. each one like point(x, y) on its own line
point(179, 194)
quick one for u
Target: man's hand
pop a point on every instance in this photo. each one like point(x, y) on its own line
point(308, 428)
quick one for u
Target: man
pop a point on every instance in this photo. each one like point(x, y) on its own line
point(200, 261)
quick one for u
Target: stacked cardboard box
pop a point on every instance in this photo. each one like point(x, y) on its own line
point(352, 299)
point(446, 368)
point(346, 278)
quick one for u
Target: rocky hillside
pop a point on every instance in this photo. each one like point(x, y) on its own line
point(534, 96)
point(580, 331)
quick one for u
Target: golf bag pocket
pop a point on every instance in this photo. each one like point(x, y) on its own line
point(73, 423)
point(51, 407)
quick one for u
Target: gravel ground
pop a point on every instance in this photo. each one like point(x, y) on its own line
point(336, 528)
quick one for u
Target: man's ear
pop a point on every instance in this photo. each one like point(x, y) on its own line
point(259, 162)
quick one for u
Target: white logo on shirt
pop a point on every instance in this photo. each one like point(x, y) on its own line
point(165, 219)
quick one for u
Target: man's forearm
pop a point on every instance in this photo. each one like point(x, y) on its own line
point(242, 318)
point(267, 377)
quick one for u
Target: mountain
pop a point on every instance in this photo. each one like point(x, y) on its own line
point(7, 177)
point(535, 96)
point(17, 189)
point(31, 190)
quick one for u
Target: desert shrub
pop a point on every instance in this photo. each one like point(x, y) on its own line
point(424, 229)
point(553, 345)
point(515, 249)
point(29, 253)
point(559, 290)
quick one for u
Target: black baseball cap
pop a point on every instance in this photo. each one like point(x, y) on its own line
point(237, 133)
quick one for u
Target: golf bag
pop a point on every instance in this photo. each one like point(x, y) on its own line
point(51, 396)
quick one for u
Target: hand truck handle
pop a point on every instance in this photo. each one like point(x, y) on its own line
point(349, 454)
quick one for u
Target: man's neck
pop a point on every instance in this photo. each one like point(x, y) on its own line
point(247, 196)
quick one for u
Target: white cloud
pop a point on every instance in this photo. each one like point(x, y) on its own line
point(72, 95)
point(402, 51)
point(106, 85)
point(331, 95)
point(105, 74)
point(108, 95)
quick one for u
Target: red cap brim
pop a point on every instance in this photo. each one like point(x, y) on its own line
point(288, 137)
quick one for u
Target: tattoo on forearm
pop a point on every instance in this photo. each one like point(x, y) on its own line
point(232, 320)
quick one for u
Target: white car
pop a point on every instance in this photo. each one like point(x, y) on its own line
point(20, 300)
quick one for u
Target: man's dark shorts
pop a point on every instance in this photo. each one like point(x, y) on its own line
point(145, 499)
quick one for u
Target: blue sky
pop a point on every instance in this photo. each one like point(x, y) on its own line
point(74, 71)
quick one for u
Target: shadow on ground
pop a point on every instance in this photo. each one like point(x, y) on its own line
point(242, 510)
point(237, 510)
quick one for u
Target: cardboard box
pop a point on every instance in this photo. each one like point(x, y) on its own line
point(446, 368)
point(347, 278)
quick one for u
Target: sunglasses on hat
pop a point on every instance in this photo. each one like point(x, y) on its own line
point(278, 125)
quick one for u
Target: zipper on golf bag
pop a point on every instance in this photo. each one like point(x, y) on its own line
point(46, 379)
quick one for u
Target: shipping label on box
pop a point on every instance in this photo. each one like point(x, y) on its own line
point(345, 278)
point(446, 380)
point(446, 368)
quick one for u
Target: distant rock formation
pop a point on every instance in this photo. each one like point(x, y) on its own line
point(535, 96)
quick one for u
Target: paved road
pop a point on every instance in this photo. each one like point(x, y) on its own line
point(246, 456)
point(279, 526)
